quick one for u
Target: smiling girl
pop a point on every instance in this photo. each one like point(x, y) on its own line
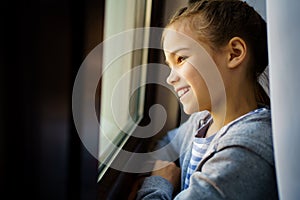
point(216, 51)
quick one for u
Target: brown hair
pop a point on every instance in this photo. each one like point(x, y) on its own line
point(217, 21)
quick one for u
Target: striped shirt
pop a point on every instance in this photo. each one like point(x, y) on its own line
point(200, 145)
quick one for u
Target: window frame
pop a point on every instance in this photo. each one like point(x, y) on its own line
point(142, 19)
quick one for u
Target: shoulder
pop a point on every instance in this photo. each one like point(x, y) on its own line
point(252, 132)
point(255, 125)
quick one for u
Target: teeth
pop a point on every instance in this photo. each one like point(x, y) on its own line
point(182, 92)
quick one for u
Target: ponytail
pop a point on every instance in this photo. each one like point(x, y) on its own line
point(262, 89)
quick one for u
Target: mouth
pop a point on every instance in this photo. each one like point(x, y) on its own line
point(182, 91)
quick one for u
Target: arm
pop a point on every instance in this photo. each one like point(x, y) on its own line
point(232, 173)
point(162, 182)
point(172, 143)
point(157, 186)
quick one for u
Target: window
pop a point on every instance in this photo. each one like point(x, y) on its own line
point(123, 74)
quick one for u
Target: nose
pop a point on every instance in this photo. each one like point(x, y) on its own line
point(173, 77)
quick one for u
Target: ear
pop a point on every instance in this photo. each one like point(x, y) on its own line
point(237, 52)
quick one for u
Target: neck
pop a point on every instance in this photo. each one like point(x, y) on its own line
point(237, 104)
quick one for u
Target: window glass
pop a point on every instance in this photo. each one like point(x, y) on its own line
point(122, 90)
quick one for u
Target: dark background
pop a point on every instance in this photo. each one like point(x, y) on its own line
point(43, 43)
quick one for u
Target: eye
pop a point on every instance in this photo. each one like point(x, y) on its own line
point(181, 59)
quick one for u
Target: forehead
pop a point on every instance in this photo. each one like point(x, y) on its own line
point(179, 37)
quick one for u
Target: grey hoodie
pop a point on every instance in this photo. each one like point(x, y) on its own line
point(239, 162)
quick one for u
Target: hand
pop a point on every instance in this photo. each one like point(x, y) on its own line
point(169, 171)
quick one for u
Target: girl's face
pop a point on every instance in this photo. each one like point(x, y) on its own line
point(192, 69)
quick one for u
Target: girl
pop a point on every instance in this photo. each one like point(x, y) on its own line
point(229, 131)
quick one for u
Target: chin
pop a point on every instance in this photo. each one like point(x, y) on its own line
point(189, 110)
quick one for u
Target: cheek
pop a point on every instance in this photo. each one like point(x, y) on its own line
point(200, 89)
point(194, 79)
point(189, 73)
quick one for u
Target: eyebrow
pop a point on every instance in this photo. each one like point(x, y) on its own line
point(177, 50)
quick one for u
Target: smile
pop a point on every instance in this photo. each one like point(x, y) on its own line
point(182, 92)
